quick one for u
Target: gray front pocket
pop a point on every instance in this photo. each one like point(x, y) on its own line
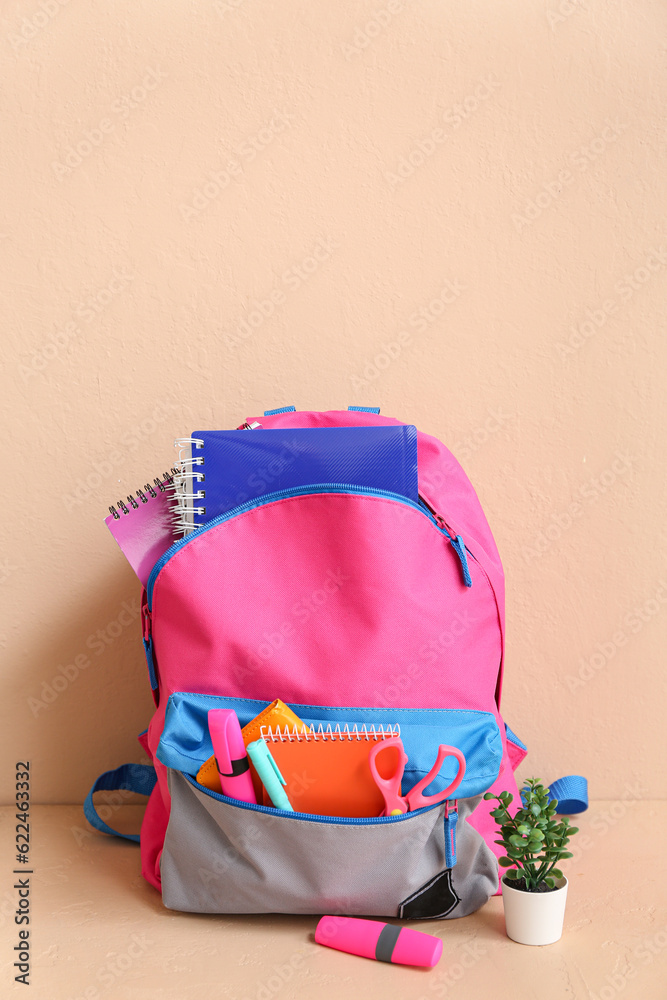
point(220, 857)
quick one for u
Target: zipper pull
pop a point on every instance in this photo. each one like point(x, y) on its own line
point(459, 547)
point(146, 622)
point(451, 819)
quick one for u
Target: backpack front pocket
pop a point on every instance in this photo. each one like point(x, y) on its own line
point(223, 856)
point(185, 741)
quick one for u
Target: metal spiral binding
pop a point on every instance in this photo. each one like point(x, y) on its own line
point(329, 733)
point(162, 485)
point(184, 493)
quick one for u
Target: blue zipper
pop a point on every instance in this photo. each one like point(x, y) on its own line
point(456, 543)
point(312, 817)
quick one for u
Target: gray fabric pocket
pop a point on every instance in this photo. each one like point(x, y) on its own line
point(220, 857)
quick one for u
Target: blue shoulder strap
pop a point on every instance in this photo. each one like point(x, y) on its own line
point(138, 778)
point(365, 409)
point(571, 792)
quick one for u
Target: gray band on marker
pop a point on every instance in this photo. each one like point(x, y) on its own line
point(386, 943)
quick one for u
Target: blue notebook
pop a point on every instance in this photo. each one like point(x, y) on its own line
point(243, 465)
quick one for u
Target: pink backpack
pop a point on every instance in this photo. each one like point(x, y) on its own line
point(400, 612)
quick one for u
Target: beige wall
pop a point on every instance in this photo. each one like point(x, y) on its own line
point(496, 164)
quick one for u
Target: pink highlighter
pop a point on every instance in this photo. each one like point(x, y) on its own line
point(231, 758)
point(383, 942)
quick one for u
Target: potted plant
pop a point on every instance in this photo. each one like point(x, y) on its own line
point(534, 840)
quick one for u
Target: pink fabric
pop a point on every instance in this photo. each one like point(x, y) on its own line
point(334, 599)
point(143, 742)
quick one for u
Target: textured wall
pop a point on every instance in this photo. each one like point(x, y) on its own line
point(453, 210)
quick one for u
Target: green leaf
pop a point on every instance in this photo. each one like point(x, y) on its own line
point(566, 854)
point(505, 862)
point(512, 873)
point(517, 841)
point(556, 872)
point(550, 882)
point(524, 829)
point(489, 795)
point(535, 810)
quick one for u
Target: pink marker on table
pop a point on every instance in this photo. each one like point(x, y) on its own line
point(383, 942)
point(231, 758)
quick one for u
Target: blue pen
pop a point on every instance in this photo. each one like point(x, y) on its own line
point(270, 776)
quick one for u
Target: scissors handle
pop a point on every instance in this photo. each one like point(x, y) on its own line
point(390, 787)
point(415, 798)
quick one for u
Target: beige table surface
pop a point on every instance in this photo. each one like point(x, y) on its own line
point(98, 930)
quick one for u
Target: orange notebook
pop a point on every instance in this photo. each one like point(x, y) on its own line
point(275, 715)
point(327, 772)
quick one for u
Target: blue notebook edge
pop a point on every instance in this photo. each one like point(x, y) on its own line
point(263, 460)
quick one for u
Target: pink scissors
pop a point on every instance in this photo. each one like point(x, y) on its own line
point(390, 786)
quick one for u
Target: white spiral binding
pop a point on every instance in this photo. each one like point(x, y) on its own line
point(329, 733)
point(183, 507)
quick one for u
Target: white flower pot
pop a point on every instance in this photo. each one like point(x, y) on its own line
point(534, 917)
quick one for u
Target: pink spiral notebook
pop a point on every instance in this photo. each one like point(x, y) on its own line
point(143, 527)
